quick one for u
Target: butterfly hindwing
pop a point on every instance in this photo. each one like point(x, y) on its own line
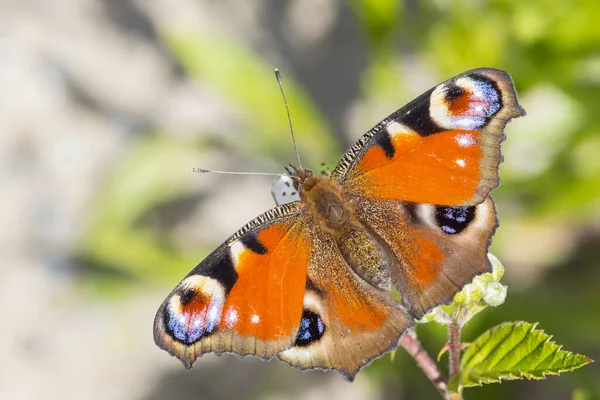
point(437, 249)
point(346, 323)
point(246, 297)
point(441, 148)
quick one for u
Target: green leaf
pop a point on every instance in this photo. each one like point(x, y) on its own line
point(515, 350)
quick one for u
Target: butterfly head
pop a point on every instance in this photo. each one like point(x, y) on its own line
point(301, 177)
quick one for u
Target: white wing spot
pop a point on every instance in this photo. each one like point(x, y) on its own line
point(236, 249)
point(255, 319)
point(465, 140)
point(396, 128)
point(461, 162)
point(231, 318)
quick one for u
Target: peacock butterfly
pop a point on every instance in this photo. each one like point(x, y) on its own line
point(407, 209)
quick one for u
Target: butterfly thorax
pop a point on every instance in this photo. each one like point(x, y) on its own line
point(333, 218)
point(323, 199)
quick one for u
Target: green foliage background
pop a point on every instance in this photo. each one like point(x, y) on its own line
point(550, 180)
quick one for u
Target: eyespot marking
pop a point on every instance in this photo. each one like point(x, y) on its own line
point(454, 91)
point(453, 220)
point(466, 103)
point(188, 295)
point(311, 329)
point(196, 311)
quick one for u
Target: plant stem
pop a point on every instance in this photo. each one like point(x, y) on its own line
point(454, 349)
point(413, 346)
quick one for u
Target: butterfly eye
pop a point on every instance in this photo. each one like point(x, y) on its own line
point(311, 329)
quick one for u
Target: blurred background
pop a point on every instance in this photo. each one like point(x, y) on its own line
point(106, 105)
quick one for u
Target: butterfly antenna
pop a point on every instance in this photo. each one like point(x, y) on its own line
point(206, 171)
point(287, 109)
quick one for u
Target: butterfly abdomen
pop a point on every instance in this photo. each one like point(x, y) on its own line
point(334, 217)
point(365, 254)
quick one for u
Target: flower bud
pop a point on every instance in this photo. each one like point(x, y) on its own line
point(495, 294)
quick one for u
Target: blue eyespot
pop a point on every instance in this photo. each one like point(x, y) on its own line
point(454, 220)
point(311, 329)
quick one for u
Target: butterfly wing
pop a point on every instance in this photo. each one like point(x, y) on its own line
point(346, 323)
point(441, 148)
point(420, 181)
point(437, 249)
point(246, 297)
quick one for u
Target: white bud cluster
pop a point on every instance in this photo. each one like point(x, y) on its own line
point(485, 290)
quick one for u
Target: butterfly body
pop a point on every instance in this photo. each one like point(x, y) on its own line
point(330, 213)
point(407, 211)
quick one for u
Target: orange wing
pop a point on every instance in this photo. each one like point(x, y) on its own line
point(246, 297)
point(346, 323)
point(441, 148)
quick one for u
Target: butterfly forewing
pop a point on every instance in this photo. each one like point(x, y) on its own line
point(246, 297)
point(441, 148)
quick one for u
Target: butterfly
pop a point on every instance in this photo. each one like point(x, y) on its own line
point(333, 280)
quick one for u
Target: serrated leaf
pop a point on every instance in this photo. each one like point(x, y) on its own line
point(515, 350)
